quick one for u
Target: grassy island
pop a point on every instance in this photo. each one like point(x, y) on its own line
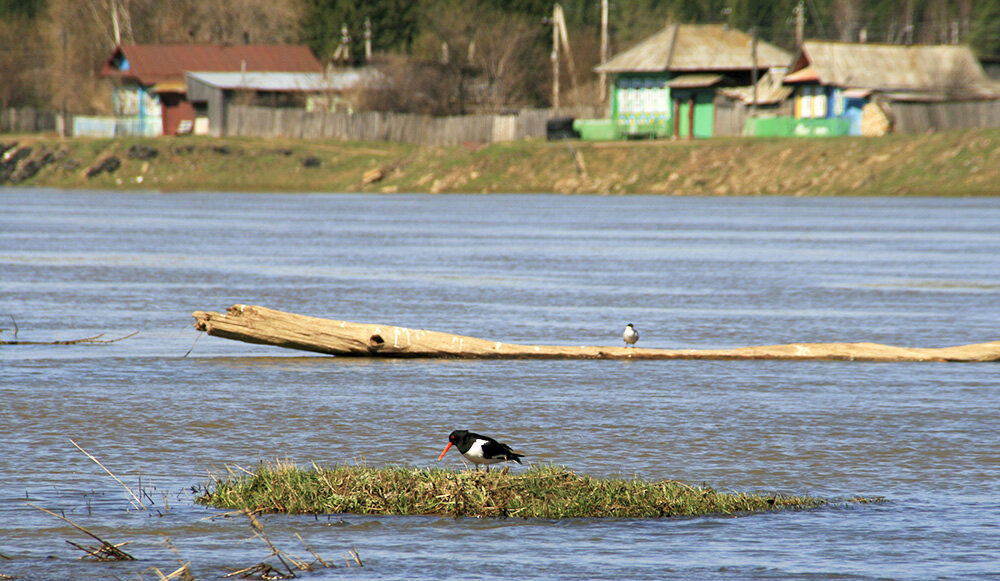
point(548, 492)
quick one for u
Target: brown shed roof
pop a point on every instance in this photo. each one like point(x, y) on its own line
point(158, 63)
point(939, 69)
point(695, 47)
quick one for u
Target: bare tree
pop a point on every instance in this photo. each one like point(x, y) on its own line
point(22, 59)
point(845, 19)
point(229, 21)
point(78, 42)
point(500, 46)
point(412, 86)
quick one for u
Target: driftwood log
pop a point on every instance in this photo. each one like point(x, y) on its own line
point(254, 324)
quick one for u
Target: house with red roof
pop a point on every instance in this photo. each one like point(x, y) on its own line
point(149, 96)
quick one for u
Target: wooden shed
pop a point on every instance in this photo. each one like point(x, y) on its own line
point(212, 92)
point(837, 85)
point(150, 93)
point(666, 84)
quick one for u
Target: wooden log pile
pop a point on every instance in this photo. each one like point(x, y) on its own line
point(254, 324)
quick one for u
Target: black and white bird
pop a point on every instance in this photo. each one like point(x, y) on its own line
point(630, 335)
point(480, 449)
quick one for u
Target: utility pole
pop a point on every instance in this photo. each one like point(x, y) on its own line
point(908, 31)
point(115, 26)
point(343, 52)
point(800, 23)
point(555, 59)
point(753, 71)
point(368, 39)
point(560, 37)
point(603, 93)
point(64, 130)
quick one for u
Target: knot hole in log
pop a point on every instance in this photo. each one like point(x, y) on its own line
point(375, 342)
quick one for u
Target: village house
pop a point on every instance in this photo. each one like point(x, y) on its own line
point(149, 96)
point(668, 84)
point(870, 89)
point(212, 93)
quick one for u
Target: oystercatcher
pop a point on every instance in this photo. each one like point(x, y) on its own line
point(480, 449)
point(630, 335)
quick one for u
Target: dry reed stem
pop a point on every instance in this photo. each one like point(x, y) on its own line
point(115, 553)
point(258, 530)
point(94, 339)
point(184, 572)
point(136, 498)
point(193, 344)
point(356, 556)
point(313, 553)
point(266, 572)
point(102, 553)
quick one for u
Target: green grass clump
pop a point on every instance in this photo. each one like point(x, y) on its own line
point(548, 492)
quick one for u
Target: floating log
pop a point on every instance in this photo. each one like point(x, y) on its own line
point(253, 324)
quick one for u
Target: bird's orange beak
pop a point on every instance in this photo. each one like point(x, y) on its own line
point(445, 451)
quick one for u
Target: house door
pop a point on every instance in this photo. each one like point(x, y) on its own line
point(694, 109)
point(175, 111)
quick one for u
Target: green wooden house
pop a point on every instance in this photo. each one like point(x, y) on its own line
point(667, 85)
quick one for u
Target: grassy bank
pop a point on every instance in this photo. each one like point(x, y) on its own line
point(540, 492)
point(960, 163)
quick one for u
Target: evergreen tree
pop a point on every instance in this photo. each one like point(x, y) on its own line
point(26, 8)
point(393, 25)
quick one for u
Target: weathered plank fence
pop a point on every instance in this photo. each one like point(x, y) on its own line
point(27, 120)
point(251, 121)
point(946, 116)
point(254, 324)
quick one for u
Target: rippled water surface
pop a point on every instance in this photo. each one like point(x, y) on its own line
point(689, 272)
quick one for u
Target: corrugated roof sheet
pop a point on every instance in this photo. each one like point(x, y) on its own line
point(286, 82)
point(695, 47)
point(941, 69)
point(158, 63)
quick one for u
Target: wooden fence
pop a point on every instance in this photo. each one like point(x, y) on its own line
point(248, 121)
point(27, 120)
point(908, 117)
point(949, 116)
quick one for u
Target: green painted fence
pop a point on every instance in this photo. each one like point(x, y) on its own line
point(792, 127)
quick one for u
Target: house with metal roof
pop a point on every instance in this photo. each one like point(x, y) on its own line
point(149, 96)
point(212, 92)
point(842, 88)
point(667, 84)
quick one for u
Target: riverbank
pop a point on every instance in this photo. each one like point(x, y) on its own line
point(954, 164)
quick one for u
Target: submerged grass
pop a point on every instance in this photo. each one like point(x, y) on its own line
point(548, 492)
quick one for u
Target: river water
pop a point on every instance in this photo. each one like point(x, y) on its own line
point(689, 272)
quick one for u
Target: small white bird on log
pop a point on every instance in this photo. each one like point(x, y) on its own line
point(630, 335)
